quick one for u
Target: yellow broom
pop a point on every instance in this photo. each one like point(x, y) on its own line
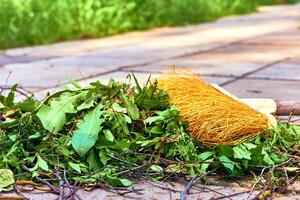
point(214, 116)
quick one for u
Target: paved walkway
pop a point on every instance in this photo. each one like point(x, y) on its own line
point(256, 55)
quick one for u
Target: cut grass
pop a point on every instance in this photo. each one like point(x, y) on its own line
point(31, 22)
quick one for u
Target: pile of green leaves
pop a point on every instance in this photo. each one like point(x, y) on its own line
point(117, 133)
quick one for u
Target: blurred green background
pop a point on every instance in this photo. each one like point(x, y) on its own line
point(30, 22)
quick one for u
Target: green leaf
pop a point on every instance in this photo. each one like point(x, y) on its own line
point(103, 157)
point(268, 160)
point(2, 106)
point(225, 150)
point(151, 120)
point(227, 163)
point(120, 122)
point(149, 142)
point(11, 96)
point(86, 135)
point(75, 166)
point(205, 155)
point(118, 182)
point(34, 168)
point(131, 108)
point(6, 180)
point(13, 137)
point(42, 163)
point(241, 152)
point(29, 105)
point(205, 165)
point(250, 146)
point(86, 105)
point(54, 118)
point(157, 129)
point(117, 108)
point(35, 135)
point(156, 168)
point(75, 83)
point(108, 135)
point(93, 161)
point(137, 85)
point(127, 119)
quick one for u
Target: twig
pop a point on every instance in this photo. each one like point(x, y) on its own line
point(162, 187)
point(17, 90)
point(48, 184)
point(11, 198)
point(24, 182)
point(72, 189)
point(253, 186)
point(6, 81)
point(19, 192)
point(123, 161)
point(229, 196)
point(187, 188)
point(127, 190)
point(43, 188)
point(192, 182)
point(61, 184)
point(207, 188)
point(53, 189)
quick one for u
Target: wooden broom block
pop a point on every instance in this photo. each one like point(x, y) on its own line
point(287, 108)
point(280, 108)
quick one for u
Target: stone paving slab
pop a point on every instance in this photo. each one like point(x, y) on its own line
point(170, 191)
point(282, 38)
point(155, 190)
point(235, 60)
point(51, 73)
point(4, 59)
point(71, 48)
point(275, 89)
point(285, 70)
point(295, 60)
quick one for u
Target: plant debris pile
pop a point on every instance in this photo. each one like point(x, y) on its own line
point(117, 133)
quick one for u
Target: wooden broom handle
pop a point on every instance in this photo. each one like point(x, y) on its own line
point(287, 108)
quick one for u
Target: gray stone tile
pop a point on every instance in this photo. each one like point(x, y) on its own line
point(4, 60)
point(295, 60)
point(215, 80)
point(202, 67)
point(70, 48)
point(154, 190)
point(50, 73)
point(153, 50)
point(274, 89)
point(233, 60)
point(98, 63)
point(284, 70)
point(291, 37)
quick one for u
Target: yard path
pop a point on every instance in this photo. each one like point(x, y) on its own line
point(256, 55)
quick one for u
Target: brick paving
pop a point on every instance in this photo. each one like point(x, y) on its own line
point(249, 55)
point(256, 55)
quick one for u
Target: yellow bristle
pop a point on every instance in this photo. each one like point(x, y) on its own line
point(214, 118)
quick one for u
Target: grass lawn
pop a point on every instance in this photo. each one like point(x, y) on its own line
point(30, 22)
